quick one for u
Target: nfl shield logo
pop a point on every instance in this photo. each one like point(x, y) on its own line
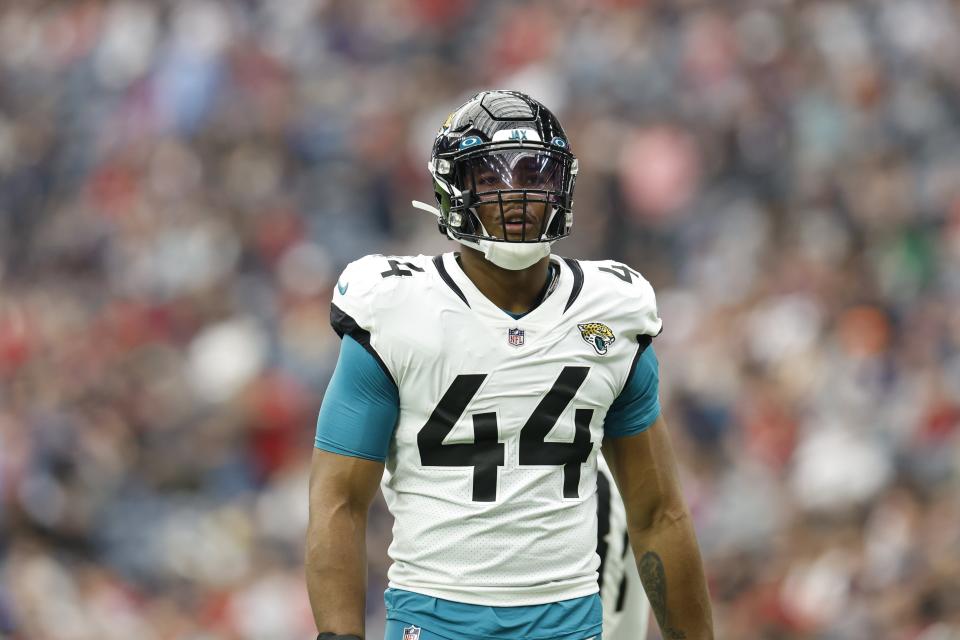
point(515, 337)
point(411, 633)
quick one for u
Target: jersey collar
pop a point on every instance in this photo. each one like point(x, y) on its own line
point(551, 307)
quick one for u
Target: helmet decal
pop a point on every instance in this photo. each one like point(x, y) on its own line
point(447, 122)
point(516, 135)
point(470, 141)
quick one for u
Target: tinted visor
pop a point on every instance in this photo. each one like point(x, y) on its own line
point(512, 170)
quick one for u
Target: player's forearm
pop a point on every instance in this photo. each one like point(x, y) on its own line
point(336, 568)
point(671, 569)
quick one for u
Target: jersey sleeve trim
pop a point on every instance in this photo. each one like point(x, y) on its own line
point(638, 405)
point(643, 341)
point(331, 447)
point(344, 324)
point(577, 281)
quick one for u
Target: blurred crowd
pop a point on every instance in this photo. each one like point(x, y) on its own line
point(181, 181)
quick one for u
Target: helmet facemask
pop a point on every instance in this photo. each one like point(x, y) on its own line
point(506, 192)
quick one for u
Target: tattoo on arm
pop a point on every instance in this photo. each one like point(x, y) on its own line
point(654, 578)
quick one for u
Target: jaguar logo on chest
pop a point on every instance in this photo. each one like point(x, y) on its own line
point(597, 335)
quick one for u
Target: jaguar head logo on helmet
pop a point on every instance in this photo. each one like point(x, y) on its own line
point(503, 175)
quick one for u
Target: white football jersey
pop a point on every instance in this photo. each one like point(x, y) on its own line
point(491, 474)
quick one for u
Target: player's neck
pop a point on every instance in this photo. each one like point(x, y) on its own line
point(512, 291)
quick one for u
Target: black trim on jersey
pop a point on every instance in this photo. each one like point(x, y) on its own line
point(553, 278)
point(442, 270)
point(643, 341)
point(603, 523)
point(345, 325)
point(577, 281)
point(553, 275)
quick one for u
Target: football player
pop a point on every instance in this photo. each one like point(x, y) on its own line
point(477, 389)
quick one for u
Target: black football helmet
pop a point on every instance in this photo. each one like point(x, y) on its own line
point(503, 146)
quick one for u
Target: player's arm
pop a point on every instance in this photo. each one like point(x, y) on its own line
point(637, 449)
point(661, 532)
point(354, 429)
point(341, 490)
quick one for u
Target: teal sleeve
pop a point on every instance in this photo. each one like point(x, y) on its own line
point(360, 408)
point(638, 405)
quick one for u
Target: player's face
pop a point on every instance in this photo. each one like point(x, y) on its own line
point(515, 190)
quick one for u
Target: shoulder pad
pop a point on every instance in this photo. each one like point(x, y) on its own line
point(635, 300)
point(361, 282)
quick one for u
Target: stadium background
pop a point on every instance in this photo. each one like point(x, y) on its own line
point(180, 183)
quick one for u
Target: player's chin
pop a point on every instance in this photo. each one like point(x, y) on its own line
point(515, 233)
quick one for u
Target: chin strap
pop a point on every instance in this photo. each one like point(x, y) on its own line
point(423, 206)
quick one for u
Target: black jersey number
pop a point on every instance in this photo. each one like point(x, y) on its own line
point(396, 268)
point(486, 453)
point(622, 271)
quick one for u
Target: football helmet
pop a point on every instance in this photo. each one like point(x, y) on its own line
point(504, 151)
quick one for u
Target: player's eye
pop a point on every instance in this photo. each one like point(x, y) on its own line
point(536, 172)
point(488, 179)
